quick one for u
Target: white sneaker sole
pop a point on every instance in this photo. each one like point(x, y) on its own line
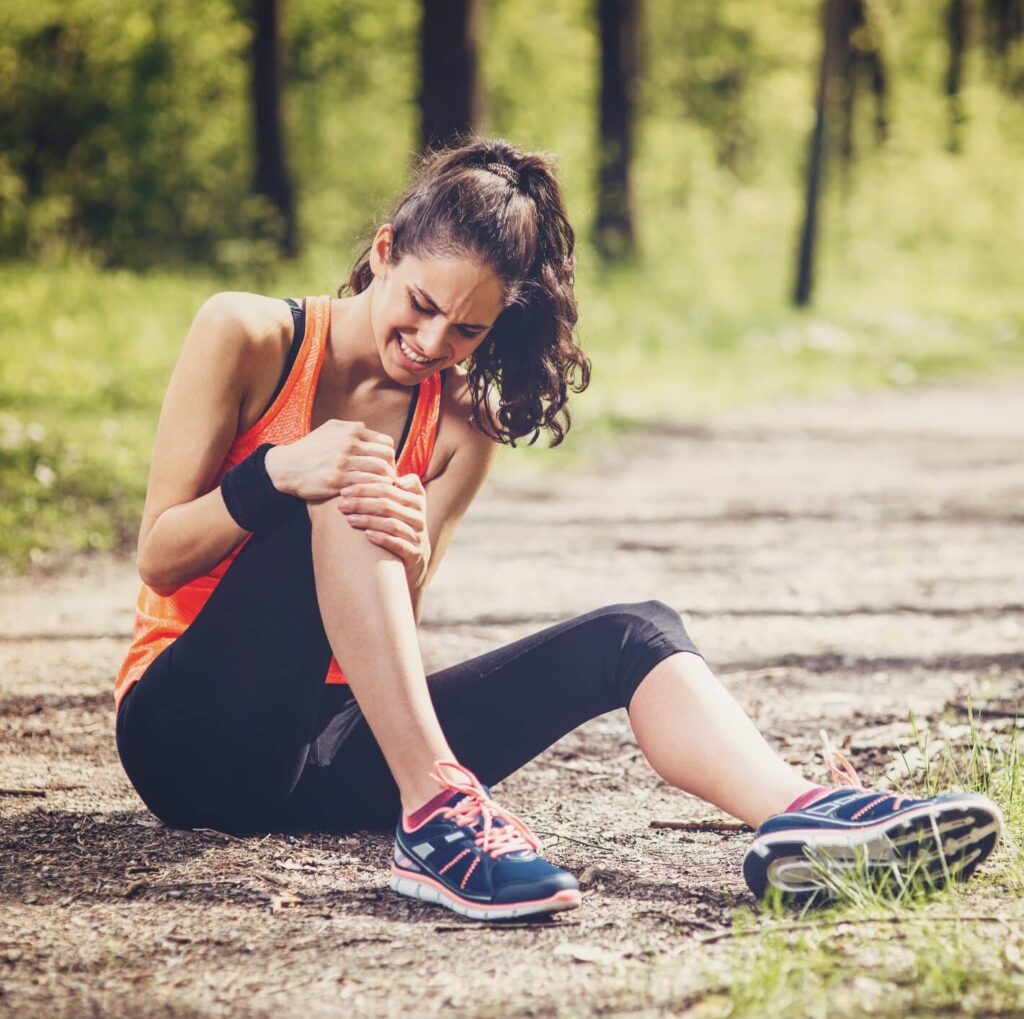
point(426, 890)
point(943, 841)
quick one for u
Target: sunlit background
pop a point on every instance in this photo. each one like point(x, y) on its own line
point(126, 198)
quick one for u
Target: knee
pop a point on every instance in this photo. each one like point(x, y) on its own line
point(657, 614)
point(640, 620)
point(646, 632)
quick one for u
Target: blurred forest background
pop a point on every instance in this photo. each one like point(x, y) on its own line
point(148, 158)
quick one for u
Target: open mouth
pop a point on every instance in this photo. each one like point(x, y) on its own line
point(417, 359)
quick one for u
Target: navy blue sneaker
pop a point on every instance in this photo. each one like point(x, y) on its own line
point(852, 834)
point(477, 858)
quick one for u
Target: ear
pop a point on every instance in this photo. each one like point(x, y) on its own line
point(380, 250)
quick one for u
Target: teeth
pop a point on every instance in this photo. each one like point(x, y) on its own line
point(412, 355)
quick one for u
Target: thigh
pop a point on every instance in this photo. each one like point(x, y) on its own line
point(498, 710)
point(217, 730)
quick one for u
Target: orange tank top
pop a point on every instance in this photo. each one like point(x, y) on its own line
point(160, 621)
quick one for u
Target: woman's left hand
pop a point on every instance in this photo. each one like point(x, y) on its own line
point(394, 516)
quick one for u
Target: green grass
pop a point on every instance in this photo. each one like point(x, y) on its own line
point(956, 951)
point(923, 964)
point(918, 278)
point(699, 326)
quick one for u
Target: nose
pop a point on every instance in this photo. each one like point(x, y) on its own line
point(431, 337)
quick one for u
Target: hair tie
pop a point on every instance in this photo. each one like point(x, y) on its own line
point(503, 170)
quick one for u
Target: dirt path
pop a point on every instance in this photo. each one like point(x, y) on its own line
point(838, 563)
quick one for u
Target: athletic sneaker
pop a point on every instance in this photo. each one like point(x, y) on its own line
point(476, 858)
point(850, 834)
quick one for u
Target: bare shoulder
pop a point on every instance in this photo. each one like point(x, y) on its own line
point(456, 432)
point(249, 334)
point(251, 319)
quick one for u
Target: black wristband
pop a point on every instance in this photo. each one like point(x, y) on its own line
point(250, 495)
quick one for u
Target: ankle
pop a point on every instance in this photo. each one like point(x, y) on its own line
point(783, 800)
point(413, 817)
point(806, 798)
point(414, 796)
point(420, 790)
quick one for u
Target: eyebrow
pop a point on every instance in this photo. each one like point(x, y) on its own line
point(430, 300)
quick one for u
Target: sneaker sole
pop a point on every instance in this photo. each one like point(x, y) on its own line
point(419, 886)
point(944, 841)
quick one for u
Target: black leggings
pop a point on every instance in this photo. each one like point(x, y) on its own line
point(232, 726)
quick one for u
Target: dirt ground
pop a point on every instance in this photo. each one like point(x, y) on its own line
point(839, 563)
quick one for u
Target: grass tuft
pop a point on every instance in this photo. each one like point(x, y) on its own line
point(923, 951)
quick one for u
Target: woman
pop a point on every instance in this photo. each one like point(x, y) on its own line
point(293, 523)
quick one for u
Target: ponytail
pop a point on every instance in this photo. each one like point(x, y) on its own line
point(491, 202)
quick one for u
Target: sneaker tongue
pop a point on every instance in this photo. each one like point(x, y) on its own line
point(457, 797)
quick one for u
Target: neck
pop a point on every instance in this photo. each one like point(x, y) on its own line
point(353, 352)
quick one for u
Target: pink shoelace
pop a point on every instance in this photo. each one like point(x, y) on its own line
point(476, 807)
point(843, 773)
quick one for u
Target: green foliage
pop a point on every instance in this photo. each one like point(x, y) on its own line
point(124, 131)
point(539, 64)
point(125, 127)
point(702, 65)
point(86, 357)
point(352, 67)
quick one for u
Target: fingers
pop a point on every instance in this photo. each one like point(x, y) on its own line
point(405, 550)
point(368, 501)
point(374, 486)
point(379, 442)
point(412, 483)
point(392, 526)
point(379, 450)
point(371, 465)
point(369, 435)
point(379, 482)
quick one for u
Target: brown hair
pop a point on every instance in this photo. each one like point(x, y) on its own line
point(489, 201)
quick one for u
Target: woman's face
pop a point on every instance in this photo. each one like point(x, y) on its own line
point(428, 313)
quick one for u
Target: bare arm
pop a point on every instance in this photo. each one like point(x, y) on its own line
point(186, 528)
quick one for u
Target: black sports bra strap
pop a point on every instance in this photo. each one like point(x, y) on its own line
point(408, 422)
point(299, 323)
point(299, 319)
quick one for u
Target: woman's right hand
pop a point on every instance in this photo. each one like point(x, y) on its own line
point(337, 454)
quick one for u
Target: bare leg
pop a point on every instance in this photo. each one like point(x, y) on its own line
point(698, 738)
point(367, 614)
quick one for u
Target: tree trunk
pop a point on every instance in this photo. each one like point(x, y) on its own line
point(271, 178)
point(449, 92)
point(956, 25)
point(614, 231)
point(847, 68)
point(833, 41)
point(1004, 23)
point(880, 88)
point(860, 58)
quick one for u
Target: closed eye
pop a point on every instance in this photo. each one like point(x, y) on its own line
point(468, 331)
